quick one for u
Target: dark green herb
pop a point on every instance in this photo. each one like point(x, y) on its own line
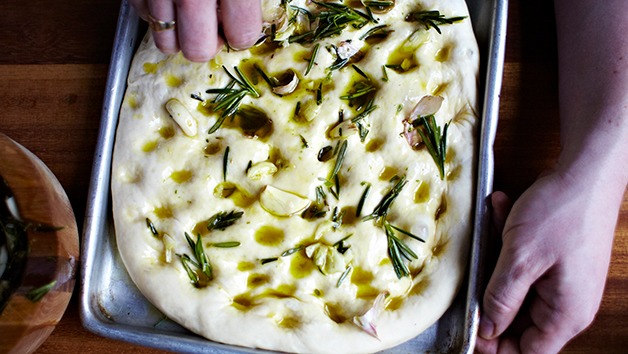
point(201, 257)
point(301, 10)
point(336, 218)
point(222, 220)
point(151, 227)
point(292, 250)
point(344, 275)
point(248, 166)
point(312, 58)
point(225, 163)
point(399, 108)
point(334, 172)
point(271, 81)
point(268, 260)
point(34, 295)
point(164, 318)
point(365, 195)
point(406, 233)
point(340, 247)
point(304, 144)
point(373, 30)
point(229, 99)
point(319, 94)
point(332, 21)
point(435, 142)
point(197, 97)
point(368, 109)
point(385, 78)
point(396, 250)
point(359, 71)
point(381, 210)
point(377, 3)
point(432, 19)
point(229, 244)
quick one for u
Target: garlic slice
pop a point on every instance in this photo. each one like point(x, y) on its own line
point(368, 321)
point(427, 105)
point(281, 203)
point(289, 87)
point(182, 117)
point(343, 130)
point(169, 244)
point(261, 170)
point(346, 50)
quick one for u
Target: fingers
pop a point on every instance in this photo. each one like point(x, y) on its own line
point(242, 22)
point(512, 278)
point(141, 7)
point(197, 29)
point(164, 10)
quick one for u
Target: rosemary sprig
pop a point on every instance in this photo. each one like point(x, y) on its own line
point(378, 3)
point(312, 58)
point(268, 260)
point(363, 131)
point(336, 218)
point(333, 176)
point(229, 99)
point(151, 227)
point(435, 142)
point(405, 232)
point(368, 109)
point(385, 78)
point(304, 143)
point(271, 81)
point(225, 164)
point(319, 94)
point(332, 21)
point(292, 251)
point(433, 19)
point(34, 295)
point(381, 210)
point(201, 257)
point(373, 30)
point(359, 71)
point(396, 250)
point(365, 195)
point(222, 220)
point(229, 244)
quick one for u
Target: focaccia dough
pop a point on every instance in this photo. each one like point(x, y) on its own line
point(169, 175)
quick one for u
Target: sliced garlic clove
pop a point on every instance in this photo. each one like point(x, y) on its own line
point(289, 87)
point(281, 203)
point(261, 170)
point(309, 110)
point(368, 321)
point(169, 245)
point(182, 117)
point(427, 105)
point(412, 135)
point(346, 50)
point(343, 130)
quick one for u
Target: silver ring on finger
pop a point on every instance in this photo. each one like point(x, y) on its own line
point(160, 26)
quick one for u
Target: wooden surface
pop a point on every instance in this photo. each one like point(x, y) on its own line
point(53, 256)
point(53, 67)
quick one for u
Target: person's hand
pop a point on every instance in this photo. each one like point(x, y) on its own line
point(195, 30)
point(557, 241)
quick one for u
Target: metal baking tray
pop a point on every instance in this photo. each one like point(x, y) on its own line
point(111, 305)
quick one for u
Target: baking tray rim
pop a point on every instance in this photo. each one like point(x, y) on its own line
point(98, 193)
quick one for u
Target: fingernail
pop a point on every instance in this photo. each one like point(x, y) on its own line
point(486, 328)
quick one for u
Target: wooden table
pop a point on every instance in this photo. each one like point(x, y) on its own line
point(53, 67)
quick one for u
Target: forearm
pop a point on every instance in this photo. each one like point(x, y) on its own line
point(593, 91)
